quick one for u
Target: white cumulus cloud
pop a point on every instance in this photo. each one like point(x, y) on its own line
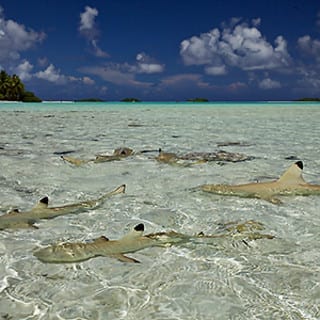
point(125, 73)
point(216, 71)
point(119, 74)
point(89, 30)
point(87, 19)
point(238, 45)
point(54, 75)
point(146, 64)
point(51, 74)
point(23, 70)
point(88, 81)
point(15, 38)
point(268, 83)
point(310, 46)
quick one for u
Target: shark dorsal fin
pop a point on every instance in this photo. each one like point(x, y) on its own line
point(135, 233)
point(293, 175)
point(42, 204)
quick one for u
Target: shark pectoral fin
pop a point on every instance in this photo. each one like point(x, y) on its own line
point(42, 204)
point(121, 257)
point(275, 200)
point(32, 225)
point(272, 200)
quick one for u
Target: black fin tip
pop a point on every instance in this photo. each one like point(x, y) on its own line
point(44, 200)
point(139, 227)
point(300, 164)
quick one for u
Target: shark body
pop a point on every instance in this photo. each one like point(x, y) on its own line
point(131, 242)
point(15, 219)
point(290, 182)
point(134, 241)
point(118, 154)
point(200, 157)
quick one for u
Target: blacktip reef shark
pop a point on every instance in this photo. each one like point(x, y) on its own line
point(200, 157)
point(290, 182)
point(15, 219)
point(134, 241)
point(118, 154)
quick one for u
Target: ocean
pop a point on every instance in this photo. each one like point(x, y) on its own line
point(227, 278)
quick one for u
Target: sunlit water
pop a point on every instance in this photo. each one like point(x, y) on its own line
point(226, 279)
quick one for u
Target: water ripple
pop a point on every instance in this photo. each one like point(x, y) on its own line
point(230, 277)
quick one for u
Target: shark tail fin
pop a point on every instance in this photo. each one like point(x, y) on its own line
point(293, 175)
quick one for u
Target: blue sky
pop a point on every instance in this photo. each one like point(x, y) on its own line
point(163, 50)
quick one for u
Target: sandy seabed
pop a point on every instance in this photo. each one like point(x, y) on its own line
point(226, 279)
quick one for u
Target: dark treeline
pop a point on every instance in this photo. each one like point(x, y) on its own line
point(12, 89)
point(309, 99)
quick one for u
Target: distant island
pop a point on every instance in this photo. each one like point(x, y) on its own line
point(12, 89)
point(309, 99)
point(130, 100)
point(198, 100)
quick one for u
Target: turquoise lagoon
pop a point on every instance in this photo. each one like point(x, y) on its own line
point(223, 279)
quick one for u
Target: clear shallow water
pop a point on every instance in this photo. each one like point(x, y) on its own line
point(271, 279)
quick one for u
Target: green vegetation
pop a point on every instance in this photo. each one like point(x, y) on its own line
point(12, 89)
point(308, 99)
point(130, 100)
point(198, 100)
point(29, 96)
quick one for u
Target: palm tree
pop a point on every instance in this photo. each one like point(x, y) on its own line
point(12, 88)
point(4, 83)
point(17, 88)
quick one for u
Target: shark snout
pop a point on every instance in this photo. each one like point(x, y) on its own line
point(44, 254)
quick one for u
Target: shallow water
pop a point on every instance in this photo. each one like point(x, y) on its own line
point(224, 279)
